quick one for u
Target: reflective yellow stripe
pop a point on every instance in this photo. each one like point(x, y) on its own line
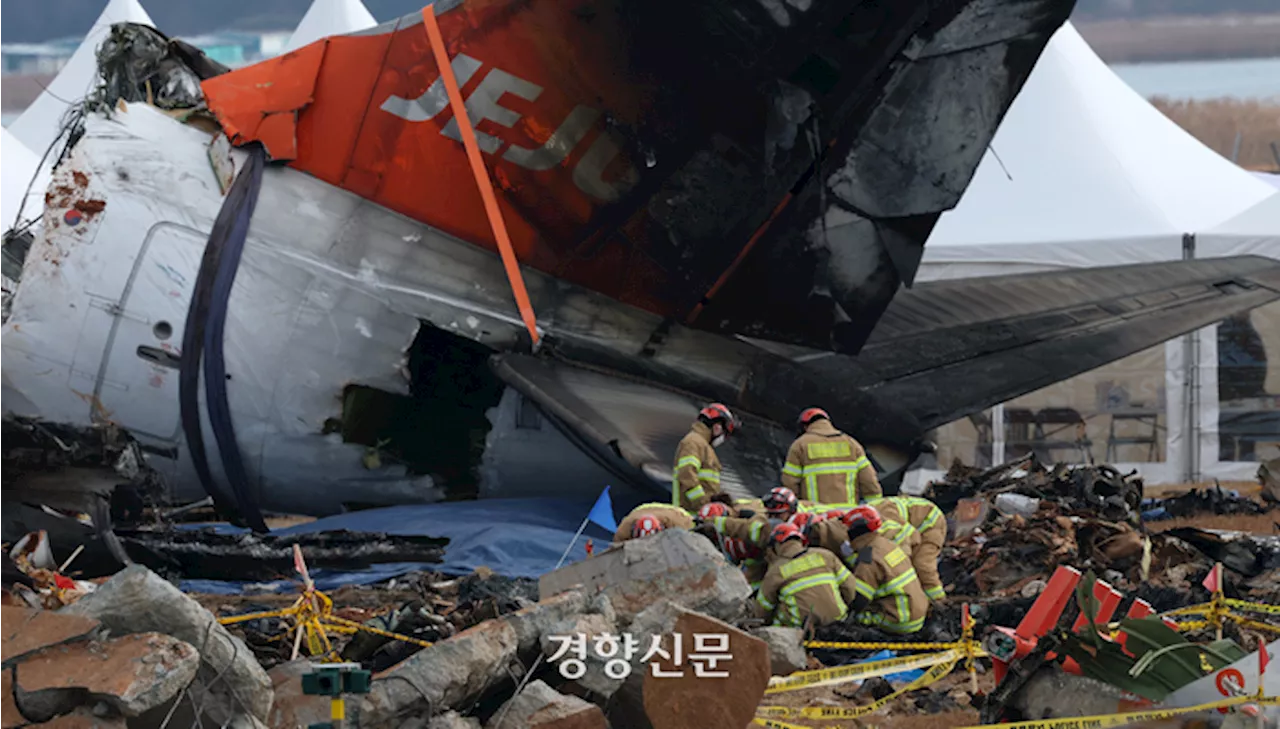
point(807, 562)
point(910, 626)
point(790, 469)
point(864, 589)
point(895, 557)
point(932, 519)
point(829, 450)
point(764, 603)
point(789, 592)
point(757, 528)
point(696, 492)
point(707, 474)
point(896, 584)
point(935, 593)
point(843, 575)
point(689, 461)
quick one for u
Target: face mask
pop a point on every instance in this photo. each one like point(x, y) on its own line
point(718, 440)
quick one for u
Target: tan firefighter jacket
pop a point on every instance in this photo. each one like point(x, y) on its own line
point(671, 517)
point(804, 584)
point(826, 466)
point(889, 594)
point(697, 470)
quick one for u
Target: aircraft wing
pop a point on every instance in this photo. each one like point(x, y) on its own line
point(945, 349)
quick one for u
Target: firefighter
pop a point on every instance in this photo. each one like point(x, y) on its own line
point(781, 504)
point(667, 516)
point(744, 508)
point(741, 539)
point(697, 470)
point(826, 466)
point(804, 585)
point(889, 594)
point(929, 528)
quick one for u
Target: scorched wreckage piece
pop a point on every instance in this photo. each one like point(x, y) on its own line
point(708, 200)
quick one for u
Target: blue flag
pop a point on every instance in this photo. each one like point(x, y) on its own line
point(602, 512)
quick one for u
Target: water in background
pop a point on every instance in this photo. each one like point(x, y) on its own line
point(1256, 78)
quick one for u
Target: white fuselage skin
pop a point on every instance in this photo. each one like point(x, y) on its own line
point(330, 292)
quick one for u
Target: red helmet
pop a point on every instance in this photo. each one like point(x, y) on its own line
point(834, 514)
point(715, 412)
point(865, 513)
point(786, 531)
point(809, 415)
point(646, 525)
point(780, 499)
point(803, 519)
point(712, 510)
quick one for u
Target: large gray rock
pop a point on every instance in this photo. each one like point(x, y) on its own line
point(449, 674)
point(132, 674)
point(786, 649)
point(231, 685)
point(539, 706)
point(589, 626)
point(453, 720)
point(532, 623)
point(454, 672)
point(675, 564)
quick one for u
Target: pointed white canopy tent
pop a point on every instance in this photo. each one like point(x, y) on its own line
point(1271, 178)
point(38, 126)
point(330, 17)
point(17, 167)
point(1085, 172)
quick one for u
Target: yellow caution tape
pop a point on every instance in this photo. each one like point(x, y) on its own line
point(1252, 606)
point(885, 645)
point(1116, 720)
point(933, 675)
point(775, 724)
point(1189, 610)
point(316, 620)
point(859, 671)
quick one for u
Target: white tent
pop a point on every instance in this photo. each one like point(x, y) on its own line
point(17, 166)
point(38, 126)
point(330, 17)
point(1271, 178)
point(1084, 172)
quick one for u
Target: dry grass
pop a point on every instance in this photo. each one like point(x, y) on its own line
point(1178, 39)
point(1216, 123)
point(1262, 524)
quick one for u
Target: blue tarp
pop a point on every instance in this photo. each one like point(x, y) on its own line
point(901, 676)
point(513, 537)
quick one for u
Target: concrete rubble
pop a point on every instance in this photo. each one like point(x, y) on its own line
point(538, 706)
point(56, 665)
point(786, 649)
point(231, 685)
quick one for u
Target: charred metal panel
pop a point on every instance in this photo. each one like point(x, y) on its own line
point(677, 130)
point(826, 268)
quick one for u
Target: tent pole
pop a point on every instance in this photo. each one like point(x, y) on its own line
point(1191, 380)
point(997, 434)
